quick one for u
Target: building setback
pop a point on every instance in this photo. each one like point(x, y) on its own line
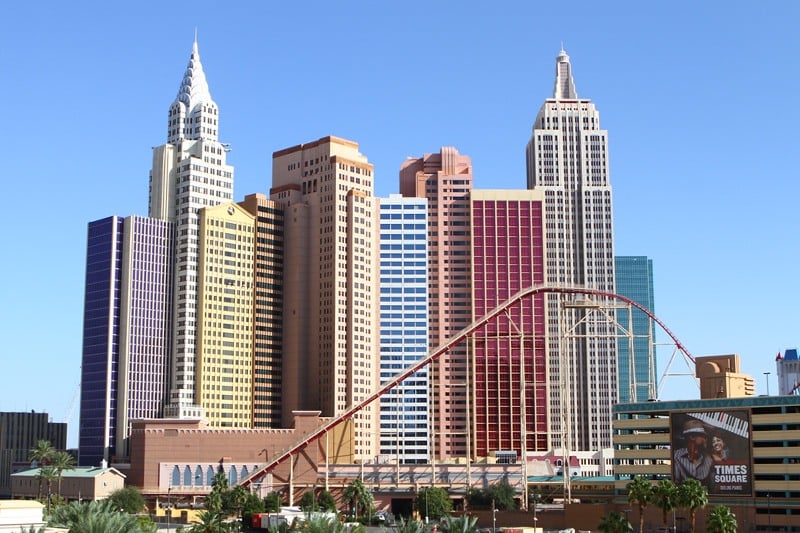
point(636, 364)
point(509, 355)
point(330, 286)
point(445, 179)
point(404, 411)
point(567, 159)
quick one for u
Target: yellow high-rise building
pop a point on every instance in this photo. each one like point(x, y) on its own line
point(224, 383)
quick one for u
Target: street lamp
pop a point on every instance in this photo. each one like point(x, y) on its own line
point(494, 518)
point(169, 506)
point(426, 506)
point(535, 500)
point(769, 513)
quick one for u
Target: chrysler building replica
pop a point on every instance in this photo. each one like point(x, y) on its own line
point(189, 173)
point(567, 158)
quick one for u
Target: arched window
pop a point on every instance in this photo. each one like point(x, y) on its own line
point(187, 476)
point(244, 472)
point(176, 477)
point(210, 476)
point(232, 477)
point(198, 476)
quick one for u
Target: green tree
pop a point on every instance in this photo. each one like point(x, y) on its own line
point(502, 494)
point(615, 522)
point(62, 461)
point(216, 499)
point(40, 455)
point(233, 500)
point(640, 493)
point(665, 495)
point(692, 495)
point(47, 474)
point(97, 517)
point(308, 502)
point(721, 520)
point(210, 522)
point(326, 501)
point(433, 502)
point(358, 497)
point(252, 505)
point(272, 503)
point(128, 500)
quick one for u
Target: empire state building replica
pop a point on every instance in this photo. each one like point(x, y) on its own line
point(567, 158)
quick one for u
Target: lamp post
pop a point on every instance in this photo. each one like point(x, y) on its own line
point(769, 513)
point(426, 506)
point(535, 501)
point(169, 507)
point(494, 518)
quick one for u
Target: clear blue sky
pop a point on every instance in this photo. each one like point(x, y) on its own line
point(699, 99)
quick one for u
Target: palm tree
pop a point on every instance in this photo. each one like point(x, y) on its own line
point(721, 520)
point(640, 492)
point(358, 496)
point(47, 474)
point(42, 452)
point(210, 522)
point(692, 495)
point(615, 522)
point(664, 497)
point(62, 461)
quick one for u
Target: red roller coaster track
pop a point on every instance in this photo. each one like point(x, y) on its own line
point(435, 354)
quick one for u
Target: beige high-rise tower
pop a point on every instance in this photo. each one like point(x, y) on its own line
point(331, 299)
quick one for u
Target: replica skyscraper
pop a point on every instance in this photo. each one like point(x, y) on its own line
point(189, 173)
point(567, 158)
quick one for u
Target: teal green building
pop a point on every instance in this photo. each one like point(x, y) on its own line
point(636, 365)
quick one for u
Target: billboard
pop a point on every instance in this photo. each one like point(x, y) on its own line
point(713, 447)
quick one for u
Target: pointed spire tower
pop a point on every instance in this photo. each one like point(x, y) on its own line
point(189, 173)
point(567, 158)
point(193, 114)
point(565, 86)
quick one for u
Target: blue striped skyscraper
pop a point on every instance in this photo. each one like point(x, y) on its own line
point(404, 411)
point(126, 338)
point(100, 353)
point(636, 359)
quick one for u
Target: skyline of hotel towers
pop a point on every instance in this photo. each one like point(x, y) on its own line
point(299, 299)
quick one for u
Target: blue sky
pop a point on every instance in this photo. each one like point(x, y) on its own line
point(698, 99)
